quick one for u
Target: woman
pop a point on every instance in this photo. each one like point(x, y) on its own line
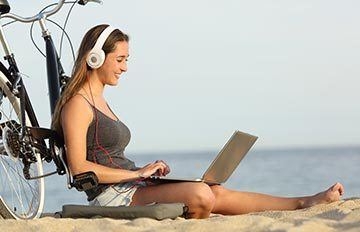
point(95, 141)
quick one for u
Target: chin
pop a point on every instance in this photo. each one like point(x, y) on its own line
point(113, 83)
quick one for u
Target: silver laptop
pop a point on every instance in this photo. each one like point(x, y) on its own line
point(225, 162)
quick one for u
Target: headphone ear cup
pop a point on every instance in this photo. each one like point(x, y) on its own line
point(95, 58)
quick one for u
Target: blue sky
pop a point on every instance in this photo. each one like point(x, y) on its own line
point(287, 71)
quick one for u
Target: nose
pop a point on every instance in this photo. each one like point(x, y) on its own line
point(123, 66)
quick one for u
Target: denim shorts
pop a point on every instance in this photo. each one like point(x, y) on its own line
point(117, 195)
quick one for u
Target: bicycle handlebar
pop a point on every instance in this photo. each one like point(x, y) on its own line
point(43, 14)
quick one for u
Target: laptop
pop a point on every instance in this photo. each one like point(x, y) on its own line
point(225, 162)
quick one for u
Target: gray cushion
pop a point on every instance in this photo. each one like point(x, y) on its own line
point(155, 211)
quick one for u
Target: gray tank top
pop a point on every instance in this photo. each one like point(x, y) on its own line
point(107, 148)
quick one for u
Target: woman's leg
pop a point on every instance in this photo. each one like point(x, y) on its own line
point(234, 202)
point(197, 196)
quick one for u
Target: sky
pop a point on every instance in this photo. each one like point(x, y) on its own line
point(287, 71)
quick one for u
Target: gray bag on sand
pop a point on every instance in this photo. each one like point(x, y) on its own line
point(155, 211)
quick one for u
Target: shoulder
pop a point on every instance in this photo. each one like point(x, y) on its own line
point(77, 110)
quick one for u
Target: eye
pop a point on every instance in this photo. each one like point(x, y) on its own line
point(122, 59)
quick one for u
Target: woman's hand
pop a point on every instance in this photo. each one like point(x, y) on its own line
point(167, 168)
point(158, 168)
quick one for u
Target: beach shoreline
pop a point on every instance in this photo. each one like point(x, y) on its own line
point(343, 215)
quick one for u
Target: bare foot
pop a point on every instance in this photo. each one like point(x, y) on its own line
point(328, 196)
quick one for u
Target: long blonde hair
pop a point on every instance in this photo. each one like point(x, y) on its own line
point(81, 69)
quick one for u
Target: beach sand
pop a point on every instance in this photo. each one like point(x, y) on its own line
point(342, 215)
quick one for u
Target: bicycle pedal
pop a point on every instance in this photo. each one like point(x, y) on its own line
point(85, 181)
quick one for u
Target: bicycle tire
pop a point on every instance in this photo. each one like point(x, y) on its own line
point(19, 198)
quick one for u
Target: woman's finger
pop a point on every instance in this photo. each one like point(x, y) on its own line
point(167, 168)
point(150, 169)
point(156, 169)
point(161, 169)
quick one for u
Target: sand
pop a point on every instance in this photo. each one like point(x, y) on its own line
point(342, 215)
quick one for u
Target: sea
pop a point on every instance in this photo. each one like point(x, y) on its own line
point(281, 172)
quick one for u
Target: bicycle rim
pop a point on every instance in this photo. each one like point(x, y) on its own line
point(20, 198)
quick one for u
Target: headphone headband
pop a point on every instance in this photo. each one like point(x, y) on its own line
point(103, 36)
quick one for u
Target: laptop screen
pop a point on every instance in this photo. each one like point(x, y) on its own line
point(229, 157)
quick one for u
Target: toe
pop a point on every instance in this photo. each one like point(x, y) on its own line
point(337, 187)
point(341, 189)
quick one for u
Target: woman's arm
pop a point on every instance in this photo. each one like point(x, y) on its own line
point(76, 117)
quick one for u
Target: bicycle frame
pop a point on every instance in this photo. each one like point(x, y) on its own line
point(27, 140)
point(56, 81)
point(55, 71)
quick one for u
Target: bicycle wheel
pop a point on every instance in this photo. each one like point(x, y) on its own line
point(19, 198)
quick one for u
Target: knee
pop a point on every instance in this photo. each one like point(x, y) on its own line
point(203, 198)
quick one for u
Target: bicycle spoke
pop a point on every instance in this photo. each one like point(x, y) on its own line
point(11, 108)
point(22, 194)
point(20, 176)
point(11, 169)
point(19, 191)
point(12, 184)
point(10, 121)
point(23, 197)
point(22, 187)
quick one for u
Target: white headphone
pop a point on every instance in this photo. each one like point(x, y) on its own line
point(96, 56)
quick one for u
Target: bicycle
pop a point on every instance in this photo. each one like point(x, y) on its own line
point(24, 145)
